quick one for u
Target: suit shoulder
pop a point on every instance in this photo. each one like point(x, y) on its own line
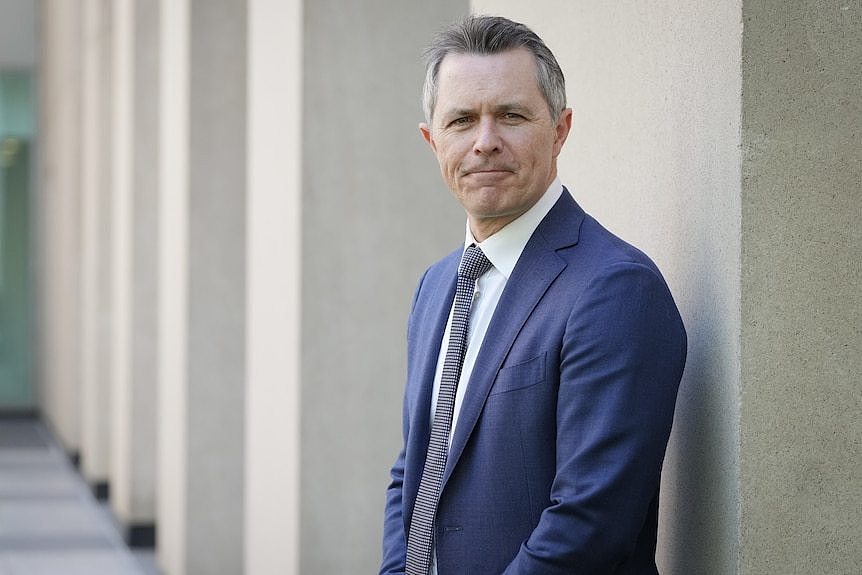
point(604, 248)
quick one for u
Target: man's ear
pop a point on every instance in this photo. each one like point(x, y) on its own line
point(564, 124)
point(425, 130)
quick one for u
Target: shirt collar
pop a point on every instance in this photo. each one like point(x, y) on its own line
point(504, 247)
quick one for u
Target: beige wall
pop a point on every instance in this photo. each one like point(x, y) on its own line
point(58, 227)
point(653, 154)
point(172, 404)
point(273, 304)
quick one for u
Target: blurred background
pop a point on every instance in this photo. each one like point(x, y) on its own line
point(213, 214)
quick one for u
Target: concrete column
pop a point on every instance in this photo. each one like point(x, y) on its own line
point(172, 346)
point(217, 303)
point(140, 520)
point(375, 214)
point(121, 158)
point(97, 331)
point(654, 155)
point(207, 413)
point(92, 155)
point(134, 268)
point(273, 252)
point(800, 451)
point(58, 225)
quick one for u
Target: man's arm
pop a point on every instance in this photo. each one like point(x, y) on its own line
point(622, 359)
point(394, 540)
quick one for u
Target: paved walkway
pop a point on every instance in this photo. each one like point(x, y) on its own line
point(50, 523)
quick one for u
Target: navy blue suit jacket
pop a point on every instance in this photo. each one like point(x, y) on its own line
point(555, 462)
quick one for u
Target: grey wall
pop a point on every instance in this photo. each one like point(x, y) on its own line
point(216, 296)
point(375, 214)
point(145, 249)
point(18, 41)
point(800, 447)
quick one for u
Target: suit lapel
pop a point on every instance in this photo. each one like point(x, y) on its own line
point(536, 269)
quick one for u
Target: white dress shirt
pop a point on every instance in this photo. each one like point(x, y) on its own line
point(503, 249)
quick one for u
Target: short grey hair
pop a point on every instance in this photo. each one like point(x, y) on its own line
point(486, 35)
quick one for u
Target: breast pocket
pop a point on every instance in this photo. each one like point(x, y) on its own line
point(521, 375)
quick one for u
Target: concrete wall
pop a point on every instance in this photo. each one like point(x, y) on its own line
point(97, 238)
point(800, 448)
point(202, 282)
point(172, 347)
point(58, 226)
point(143, 368)
point(19, 48)
point(216, 286)
point(273, 303)
point(375, 214)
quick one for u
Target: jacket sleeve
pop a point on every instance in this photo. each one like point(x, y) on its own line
point(622, 358)
point(394, 538)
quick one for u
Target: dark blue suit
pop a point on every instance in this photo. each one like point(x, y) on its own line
point(555, 462)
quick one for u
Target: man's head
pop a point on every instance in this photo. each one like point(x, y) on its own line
point(496, 118)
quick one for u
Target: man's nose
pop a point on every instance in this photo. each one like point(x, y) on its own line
point(487, 138)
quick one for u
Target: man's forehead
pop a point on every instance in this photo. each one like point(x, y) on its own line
point(508, 77)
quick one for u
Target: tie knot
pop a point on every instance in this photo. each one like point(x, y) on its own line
point(473, 263)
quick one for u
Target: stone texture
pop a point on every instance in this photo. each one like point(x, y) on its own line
point(375, 214)
point(800, 444)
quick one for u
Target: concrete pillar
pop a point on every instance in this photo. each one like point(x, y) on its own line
point(273, 252)
point(58, 224)
point(140, 520)
point(375, 214)
point(92, 155)
point(207, 484)
point(120, 285)
point(217, 240)
point(134, 231)
point(800, 458)
point(97, 331)
point(172, 348)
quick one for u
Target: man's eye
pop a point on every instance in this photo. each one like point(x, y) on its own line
point(513, 116)
point(460, 121)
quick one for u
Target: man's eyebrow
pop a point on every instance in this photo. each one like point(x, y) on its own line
point(512, 107)
point(457, 113)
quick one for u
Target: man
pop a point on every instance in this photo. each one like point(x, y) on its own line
point(544, 357)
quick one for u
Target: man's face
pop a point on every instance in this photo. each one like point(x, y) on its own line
point(494, 137)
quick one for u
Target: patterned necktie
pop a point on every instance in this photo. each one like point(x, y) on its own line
point(421, 536)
